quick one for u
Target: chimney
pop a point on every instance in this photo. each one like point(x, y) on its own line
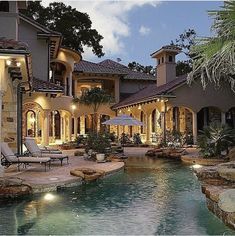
point(9, 18)
point(165, 57)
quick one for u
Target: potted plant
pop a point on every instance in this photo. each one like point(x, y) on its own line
point(99, 143)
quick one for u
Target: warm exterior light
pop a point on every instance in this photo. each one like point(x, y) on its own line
point(49, 197)
point(120, 111)
point(158, 100)
point(32, 120)
point(139, 108)
point(18, 64)
point(196, 166)
point(129, 109)
point(73, 107)
point(162, 100)
point(8, 62)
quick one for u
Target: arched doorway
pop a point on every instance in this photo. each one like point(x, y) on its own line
point(32, 120)
point(230, 117)
point(57, 121)
point(30, 123)
point(208, 115)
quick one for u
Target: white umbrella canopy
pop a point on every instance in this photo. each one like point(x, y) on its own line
point(123, 120)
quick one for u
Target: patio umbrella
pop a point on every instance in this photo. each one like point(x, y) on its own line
point(123, 120)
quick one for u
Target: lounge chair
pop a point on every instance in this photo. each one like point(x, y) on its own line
point(35, 151)
point(10, 158)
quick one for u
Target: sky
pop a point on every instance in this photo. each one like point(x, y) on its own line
point(132, 30)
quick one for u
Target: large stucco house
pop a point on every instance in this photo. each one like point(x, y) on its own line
point(173, 104)
point(56, 74)
point(40, 77)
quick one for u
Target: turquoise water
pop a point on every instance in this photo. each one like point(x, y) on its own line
point(164, 200)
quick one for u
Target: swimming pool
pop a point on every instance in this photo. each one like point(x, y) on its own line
point(164, 200)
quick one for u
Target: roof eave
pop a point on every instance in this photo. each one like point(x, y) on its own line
point(144, 100)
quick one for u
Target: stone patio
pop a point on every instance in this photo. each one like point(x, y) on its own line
point(59, 176)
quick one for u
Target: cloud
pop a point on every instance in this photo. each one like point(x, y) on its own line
point(144, 30)
point(110, 19)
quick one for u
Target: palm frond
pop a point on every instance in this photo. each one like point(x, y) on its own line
point(214, 58)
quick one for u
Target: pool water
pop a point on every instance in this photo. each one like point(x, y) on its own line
point(165, 199)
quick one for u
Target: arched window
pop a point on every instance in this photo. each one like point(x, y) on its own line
point(4, 6)
point(30, 123)
point(170, 59)
point(57, 124)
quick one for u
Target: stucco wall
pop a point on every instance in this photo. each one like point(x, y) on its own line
point(195, 98)
point(38, 49)
point(133, 86)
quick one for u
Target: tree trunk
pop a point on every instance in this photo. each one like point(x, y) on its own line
point(95, 122)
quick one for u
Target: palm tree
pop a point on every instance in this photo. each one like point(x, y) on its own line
point(214, 57)
point(94, 98)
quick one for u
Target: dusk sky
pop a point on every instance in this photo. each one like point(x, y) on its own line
point(132, 30)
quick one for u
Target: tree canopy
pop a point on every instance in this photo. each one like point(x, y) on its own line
point(75, 26)
point(135, 66)
point(214, 57)
point(185, 41)
point(94, 98)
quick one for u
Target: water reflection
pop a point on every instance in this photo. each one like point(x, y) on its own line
point(164, 200)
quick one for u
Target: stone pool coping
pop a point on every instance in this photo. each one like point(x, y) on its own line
point(191, 159)
point(59, 177)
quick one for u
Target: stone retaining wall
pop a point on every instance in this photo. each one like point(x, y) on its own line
point(219, 193)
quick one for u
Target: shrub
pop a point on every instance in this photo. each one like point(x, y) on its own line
point(98, 142)
point(216, 139)
point(137, 139)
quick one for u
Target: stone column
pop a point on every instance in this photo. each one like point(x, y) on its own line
point(69, 128)
point(53, 126)
point(62, 128)
point(194, 115)
point(1, 167)
point(148, 127)
point(70, 83)
point(82, 124)
point(223, 118)
point(45, 131)
point(75, 127)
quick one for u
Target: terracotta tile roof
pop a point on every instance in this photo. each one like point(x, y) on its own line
point(13, 45)
point(150, 92)
point(172, 48)
point(96, 68)
point(111, 67)
point(130, 74)
point(45, 86)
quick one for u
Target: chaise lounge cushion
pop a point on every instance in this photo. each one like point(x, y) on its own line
point(11, 157)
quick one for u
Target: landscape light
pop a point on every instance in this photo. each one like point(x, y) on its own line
point(197, 166)
point(49, 197)
point(73, 107)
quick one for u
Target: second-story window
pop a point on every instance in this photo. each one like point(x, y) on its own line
point(170, 59)
point(4, 6)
